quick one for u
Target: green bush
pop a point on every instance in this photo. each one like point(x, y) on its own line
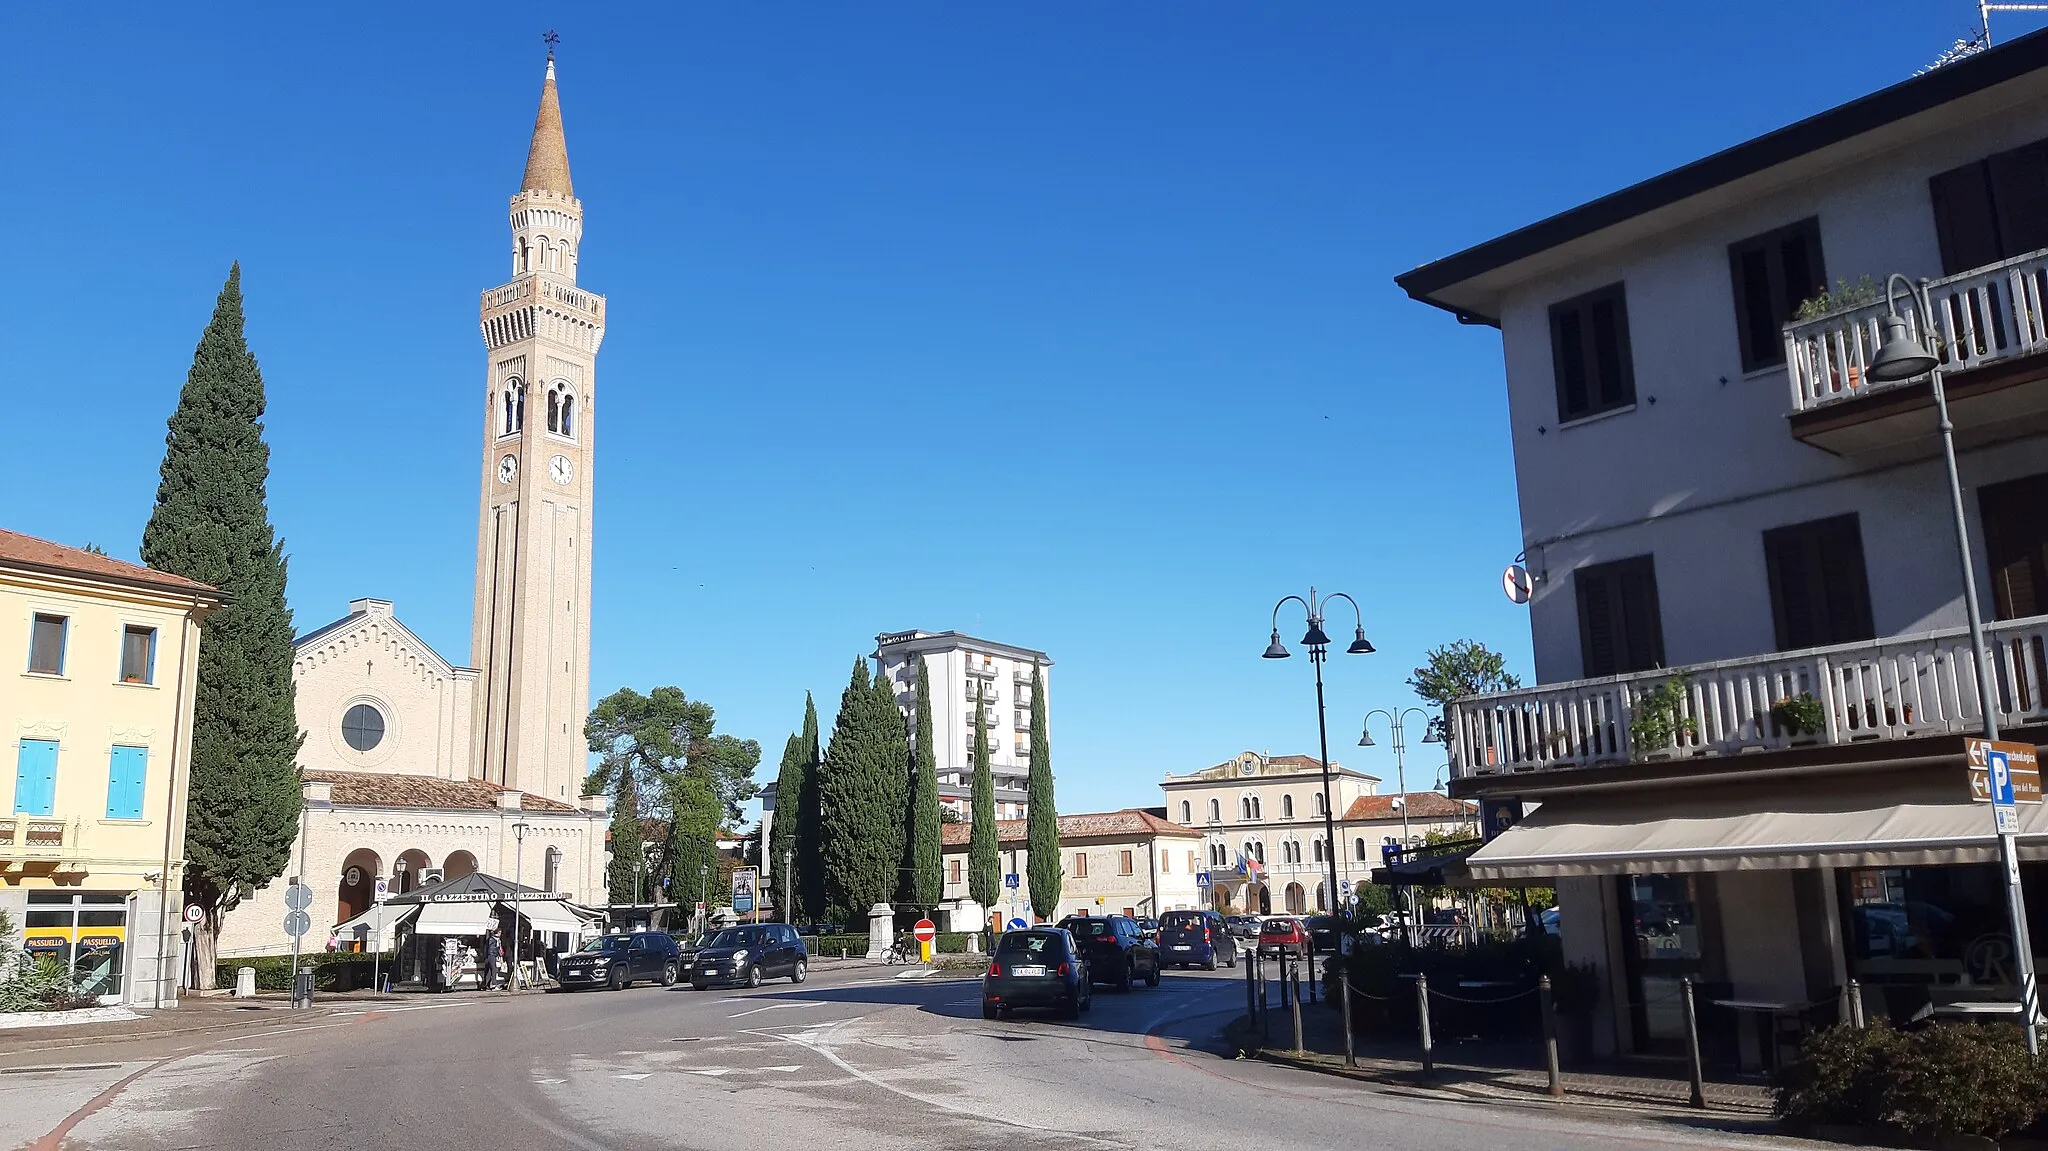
point(827, 946)
point(1944, 1080)
point(43, 985)
point(332, 970)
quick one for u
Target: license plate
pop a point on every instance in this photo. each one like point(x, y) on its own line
point(1182, 947)
point(1027, 971)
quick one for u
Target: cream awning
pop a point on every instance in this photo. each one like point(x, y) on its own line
point(1834, 821)
point(552, 915)
point(455, 919)
point(390, 915)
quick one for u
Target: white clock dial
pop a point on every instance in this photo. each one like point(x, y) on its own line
point(561, 470)
point(508, 469)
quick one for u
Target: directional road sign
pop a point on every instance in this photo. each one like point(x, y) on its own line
point(2023, 770)
point(297, 923)
point(1016, 925)
point(298, 897)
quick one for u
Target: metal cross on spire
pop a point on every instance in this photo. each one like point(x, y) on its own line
point(550, 38)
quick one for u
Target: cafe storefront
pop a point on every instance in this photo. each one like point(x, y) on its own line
point(86, 931)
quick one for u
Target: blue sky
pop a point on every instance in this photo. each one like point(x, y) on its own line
point(1068, 325)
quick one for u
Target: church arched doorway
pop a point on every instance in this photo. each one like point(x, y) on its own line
point(458, 864)
point(1297, 900)
point(407, 870)
point(358, 887)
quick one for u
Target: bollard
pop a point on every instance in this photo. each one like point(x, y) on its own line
point(1310, 963)
point(1422, 1010)
point(1855, 1005)
point(302, 988)
point(1344, 993)
point(1251, 983)
point(1549, 1036)
point(1299, 1047)
point(245, 983)
point(1692, 1043)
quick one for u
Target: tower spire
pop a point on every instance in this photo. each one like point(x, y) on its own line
point(547, 159)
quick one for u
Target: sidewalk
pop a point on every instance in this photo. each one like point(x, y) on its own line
point(1498, 1071)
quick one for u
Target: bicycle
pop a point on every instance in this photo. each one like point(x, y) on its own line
point(904, 950)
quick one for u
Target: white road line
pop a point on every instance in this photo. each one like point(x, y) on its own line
point(635, 1078)
point(550, 1082)
point(785, 1067)
point(772, 1007)
point(714, 1072)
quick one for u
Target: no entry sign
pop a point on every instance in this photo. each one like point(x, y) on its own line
point(925, 931)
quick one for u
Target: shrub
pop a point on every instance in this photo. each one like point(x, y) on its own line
point(332, 970)
point(827, 946)
point(43, 985)
point(1944, 1080)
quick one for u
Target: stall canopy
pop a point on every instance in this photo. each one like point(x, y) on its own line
point(455, 919)
point(551, 917)
point(469, 904)
point(386, 916)
point(1840, 821)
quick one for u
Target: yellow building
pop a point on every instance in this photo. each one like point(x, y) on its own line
point(100, 658)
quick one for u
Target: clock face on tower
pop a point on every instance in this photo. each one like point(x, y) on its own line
point(508, 469)
point(561, 470)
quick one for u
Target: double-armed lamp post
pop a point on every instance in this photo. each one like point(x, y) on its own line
point(1318, 645)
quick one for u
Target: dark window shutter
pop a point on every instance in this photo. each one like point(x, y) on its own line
point(2016, 544)
point(1772, 274)
point(1620, 628)
point(1964, 220)
point(1820, 593)
point(2019, 197)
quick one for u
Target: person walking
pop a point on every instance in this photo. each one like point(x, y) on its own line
point(488, 973)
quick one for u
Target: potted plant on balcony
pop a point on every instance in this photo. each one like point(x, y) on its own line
point(1799, 716)
point(1658, 721)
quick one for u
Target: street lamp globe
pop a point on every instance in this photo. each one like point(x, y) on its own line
point(1275, 650)
point(1360, 645)
point(1900, 355)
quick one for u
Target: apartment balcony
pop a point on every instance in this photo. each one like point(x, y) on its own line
point(1023, 721)
point(981, 670)
point(1891, 689)
point(27, 840)
point(1991, 330)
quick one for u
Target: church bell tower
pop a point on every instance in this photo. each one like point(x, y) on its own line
point(530, 639)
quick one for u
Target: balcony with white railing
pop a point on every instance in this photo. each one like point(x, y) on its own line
point(34, 838)
point(1890, 689)
point(1982, 317)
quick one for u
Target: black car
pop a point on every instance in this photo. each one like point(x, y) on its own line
point(1117, 952)
point(617, 961)
point(1196, 938)
point(688, 945)
point(1038, 968)
point(1328, 934)
point(750, 953)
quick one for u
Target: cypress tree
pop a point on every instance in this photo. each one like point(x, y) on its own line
point(780, 850)
point(693, 841)
point(890, 729)
point(212, 523)
point(810, 862)
point(928, 880)
point(627, 875)
point(861, 796)
point(984, 864)
point(1042, 820)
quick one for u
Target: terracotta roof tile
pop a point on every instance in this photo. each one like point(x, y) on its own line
point(1421, 805)
point(1130, 821)
point(28, 551)
point(380, 789)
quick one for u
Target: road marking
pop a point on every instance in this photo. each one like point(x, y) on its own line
point(551, 1082)
point(396, 1010)
point(785, 1067)
point(713, 1071)
point(634, 1078)
point(773, 1007)
point(927, 973)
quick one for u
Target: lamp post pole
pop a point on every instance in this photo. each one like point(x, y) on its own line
point(703, 895)
point(1397, 720)
point(1319, 650)
point(518, 879)
point(1901, 356)
point(788, 887)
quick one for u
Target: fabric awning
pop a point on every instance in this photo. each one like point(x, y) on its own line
point(1836, 821)
point(391, 916)
point(455, 919)
point(552, 915)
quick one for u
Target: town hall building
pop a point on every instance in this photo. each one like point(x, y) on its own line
point(417, 769)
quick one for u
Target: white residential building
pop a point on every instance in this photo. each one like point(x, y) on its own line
point(963, 670)
point(1735, 529)
point(1127, 862)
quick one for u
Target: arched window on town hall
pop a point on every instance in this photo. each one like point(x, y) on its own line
point(1187, 812)
point(1287, 807)
point(562, 409)
point(513, 398)
point(1215, 811)
point(551, 870)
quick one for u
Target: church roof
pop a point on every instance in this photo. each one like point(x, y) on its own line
point(20, 551)
point(547, 160)
point(382, 789)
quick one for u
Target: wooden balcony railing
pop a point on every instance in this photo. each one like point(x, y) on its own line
point(1883, 689)
point(1986, 314)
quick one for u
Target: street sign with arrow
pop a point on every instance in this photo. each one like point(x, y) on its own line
point(2022, 767)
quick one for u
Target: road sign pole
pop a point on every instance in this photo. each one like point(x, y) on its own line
point(2001, 779)
point(294, 882)
point(2022, 942)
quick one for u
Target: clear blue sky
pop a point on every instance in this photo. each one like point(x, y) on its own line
point(1067, 325)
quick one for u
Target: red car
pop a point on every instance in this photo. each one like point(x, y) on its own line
point(1285, 935)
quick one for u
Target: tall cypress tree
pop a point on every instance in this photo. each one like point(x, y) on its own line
point(810, 861)
point(927, 880)
point(212, 523)
point(626, 877)
point(1042, 820)
point(984, 864)
point(780, 850)
point(891, 734)
point(861, 794)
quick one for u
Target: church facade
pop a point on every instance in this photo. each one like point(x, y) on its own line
point(417, 769)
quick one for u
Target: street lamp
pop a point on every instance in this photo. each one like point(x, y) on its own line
point(518, 878)
point(1398, 720)
point(1319, 650)
point(1901, 356)
point(703, 895)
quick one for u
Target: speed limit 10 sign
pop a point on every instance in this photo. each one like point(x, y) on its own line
point(194, 913)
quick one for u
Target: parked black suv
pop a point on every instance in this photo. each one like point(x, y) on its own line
point(616, 961)
point(748, 954)
point(1117, 950)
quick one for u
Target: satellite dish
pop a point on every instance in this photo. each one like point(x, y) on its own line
point(1516, 583)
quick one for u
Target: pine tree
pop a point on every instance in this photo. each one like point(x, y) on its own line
point(1042, 820)
point(926, 826)
point(984, 863)
point(861, 797)
point(627, 875)
point(810, 860)
point(211, 523)
point(781, 846)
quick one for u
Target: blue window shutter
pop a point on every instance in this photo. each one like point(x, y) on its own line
point(35, 777)
point(124, 782)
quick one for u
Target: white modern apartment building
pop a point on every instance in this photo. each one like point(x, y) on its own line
point(1754, 680)
point(962, 671)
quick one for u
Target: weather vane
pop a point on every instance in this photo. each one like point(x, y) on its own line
point(551, 39)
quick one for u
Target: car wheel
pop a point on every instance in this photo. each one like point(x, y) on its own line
point(1088, 999)
point(1072, 1010)
point(754, 976)
point(991, 1011)
point(1232, 962)
point(696, 985)
point(1152, 980)
point(800, 972)
point(1123, 982)
point(1211, 964)
point(668, 974)
point(618, 980)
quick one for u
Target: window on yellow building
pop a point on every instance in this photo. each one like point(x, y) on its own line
point(1080, 865)
point(46, 645)
point(138, 654)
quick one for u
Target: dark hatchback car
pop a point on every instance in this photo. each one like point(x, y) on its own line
point(749, 954)
point(1041, 968)
point(1196, 938)
point(617, 961)
point(1118, 953)
point(1328, 935)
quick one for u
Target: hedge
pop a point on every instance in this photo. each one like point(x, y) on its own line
point(332, 970)
point(1943, 1080)
point(827, 946)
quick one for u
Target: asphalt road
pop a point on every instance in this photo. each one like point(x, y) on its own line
point(853, 1058)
